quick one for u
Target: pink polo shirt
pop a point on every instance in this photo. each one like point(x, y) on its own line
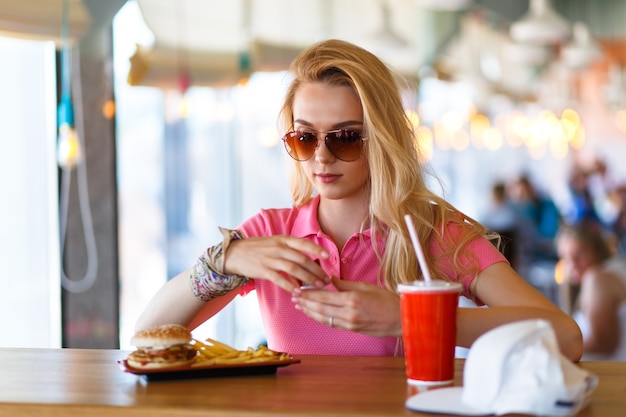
point(290, 330)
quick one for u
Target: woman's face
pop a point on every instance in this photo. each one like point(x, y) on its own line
point(576, 258)
point(320, 107)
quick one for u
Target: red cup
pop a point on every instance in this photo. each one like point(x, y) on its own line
point(429, 330)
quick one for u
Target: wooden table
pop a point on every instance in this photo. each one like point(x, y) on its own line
point(89, 382)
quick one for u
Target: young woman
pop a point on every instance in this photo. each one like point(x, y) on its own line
point(598, 280)
point(326, 270)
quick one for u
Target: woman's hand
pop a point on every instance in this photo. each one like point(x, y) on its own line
point(355, 306)
point(287, 261)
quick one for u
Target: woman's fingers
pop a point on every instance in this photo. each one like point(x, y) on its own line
point(355, 306)
point(285, 260)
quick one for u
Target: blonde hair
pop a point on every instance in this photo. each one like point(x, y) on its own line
point(397, 180)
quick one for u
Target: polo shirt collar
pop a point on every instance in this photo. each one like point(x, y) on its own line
point(306, 223)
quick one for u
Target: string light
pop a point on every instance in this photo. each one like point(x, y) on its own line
point(108, 109)
point(425, 143)
point(538, 134)
point(620, 119)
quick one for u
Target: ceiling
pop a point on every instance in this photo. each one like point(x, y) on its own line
point(221, 42)
point(238, 36)
point(42, 19)
point(218, 42)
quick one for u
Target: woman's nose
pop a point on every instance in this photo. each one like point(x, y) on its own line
point(322, 153)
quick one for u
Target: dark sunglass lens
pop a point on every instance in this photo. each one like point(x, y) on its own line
point(300, 145)
point(345, 144)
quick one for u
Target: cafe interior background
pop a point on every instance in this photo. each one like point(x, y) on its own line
point(174, 131)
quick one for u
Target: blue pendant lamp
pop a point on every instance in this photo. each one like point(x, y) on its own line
point(69, 152)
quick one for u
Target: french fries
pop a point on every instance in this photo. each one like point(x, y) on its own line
point(212, 352)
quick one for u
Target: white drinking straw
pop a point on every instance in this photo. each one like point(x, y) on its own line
point(418, 248)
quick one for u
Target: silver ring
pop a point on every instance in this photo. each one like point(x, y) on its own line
point(330, 321)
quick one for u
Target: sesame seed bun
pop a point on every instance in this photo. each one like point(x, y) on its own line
point(162, 336)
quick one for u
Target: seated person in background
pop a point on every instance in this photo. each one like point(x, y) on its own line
point(598, 280)
point(544, 217)
point(582, 203)
point(500, 215)
point(515, 230)
point(539, 222)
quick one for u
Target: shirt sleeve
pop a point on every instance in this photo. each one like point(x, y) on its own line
point(267, 222)
point(478, 255)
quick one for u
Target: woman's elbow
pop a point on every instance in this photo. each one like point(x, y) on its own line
point(570, 340)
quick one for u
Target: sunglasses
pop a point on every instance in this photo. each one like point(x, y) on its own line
point(345, 144)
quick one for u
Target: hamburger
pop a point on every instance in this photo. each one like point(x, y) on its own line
point(162, 347)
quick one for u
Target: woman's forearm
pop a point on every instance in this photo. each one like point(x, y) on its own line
point(472, 322)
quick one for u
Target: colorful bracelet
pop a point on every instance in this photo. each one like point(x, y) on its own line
point(207, 278)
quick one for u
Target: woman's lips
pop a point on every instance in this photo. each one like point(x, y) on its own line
point(327, 178)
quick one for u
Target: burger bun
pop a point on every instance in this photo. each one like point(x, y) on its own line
point(161, 337)
point(162, 347)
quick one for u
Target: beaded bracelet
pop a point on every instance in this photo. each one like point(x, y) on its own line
point(207, 278)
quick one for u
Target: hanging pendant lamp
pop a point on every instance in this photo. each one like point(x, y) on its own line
point(541, 25)
point(581, 51)
point(69, 152)
point(386, 38)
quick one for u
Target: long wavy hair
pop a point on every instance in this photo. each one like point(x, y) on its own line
point(397, 179)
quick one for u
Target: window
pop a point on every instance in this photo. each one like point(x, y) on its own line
point(181, 177)
point(30, 308)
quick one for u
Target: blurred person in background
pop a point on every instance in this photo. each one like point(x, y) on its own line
point(582, 207)
point(541, 211)
point(541, 219)
point(502, 217)
point(609, 200)
point(620, 222)
point(596, 280)
point(603, 189)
